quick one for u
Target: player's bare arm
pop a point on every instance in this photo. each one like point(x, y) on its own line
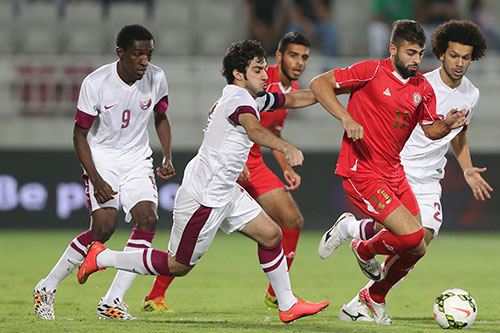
point(322, 87)
point(102, 191)
point(292, 178)
point(299, 99)
point(460, 147)
point(264, 137)
point(162, 125)
point(438, 129)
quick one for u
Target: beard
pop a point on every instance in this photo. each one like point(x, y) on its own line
point(284, 69)
point(402, 69)
point(450, 73)
point(261, 93)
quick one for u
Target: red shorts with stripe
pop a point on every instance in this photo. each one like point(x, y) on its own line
point(378, 198)
point(262, 179)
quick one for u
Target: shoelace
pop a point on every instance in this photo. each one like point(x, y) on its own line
point(335, 242)
point(48, 297)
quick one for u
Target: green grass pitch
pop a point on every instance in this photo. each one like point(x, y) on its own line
point(224, 293)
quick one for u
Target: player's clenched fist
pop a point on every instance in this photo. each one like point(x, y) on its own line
point(167, 170)
point(293, 156)
point(456, 118)
point(353, 130)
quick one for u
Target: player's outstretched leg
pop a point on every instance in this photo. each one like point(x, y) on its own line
point(44, 302)
point(369, 266)
point(335, 236)
point(118, 309)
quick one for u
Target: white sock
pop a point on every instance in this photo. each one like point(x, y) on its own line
point(131, 261)
point(280, 281)
point(350, 228)
point(70, 260)
point(121, 283)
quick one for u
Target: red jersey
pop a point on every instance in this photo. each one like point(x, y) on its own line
point(388, 108)
point(272, 120)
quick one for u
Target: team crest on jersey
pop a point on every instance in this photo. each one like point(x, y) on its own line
point(145, 102)
point(417, 98)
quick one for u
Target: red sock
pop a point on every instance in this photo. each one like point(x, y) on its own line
point(289, 243)
point(160, 286)
point(396, 267)
point(385, 242)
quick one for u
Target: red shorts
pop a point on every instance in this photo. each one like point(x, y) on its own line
point(378, 198)
point(262, 180)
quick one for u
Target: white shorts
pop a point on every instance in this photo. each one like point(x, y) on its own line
point(134, 183)
point(429, 200)
point(195, 225)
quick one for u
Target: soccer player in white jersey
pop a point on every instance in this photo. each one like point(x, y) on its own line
point(209, 197)
point(111, 141)
point(456, 44)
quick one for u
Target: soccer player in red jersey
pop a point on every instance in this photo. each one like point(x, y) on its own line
point(259, 181)
point(387, 99)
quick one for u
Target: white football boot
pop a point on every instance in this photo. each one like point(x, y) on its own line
point(334, 237)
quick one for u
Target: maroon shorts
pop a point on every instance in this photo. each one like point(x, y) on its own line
point(378, 198)
point(262, 180)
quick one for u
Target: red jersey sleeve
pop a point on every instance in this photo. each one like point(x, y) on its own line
point(357, 75)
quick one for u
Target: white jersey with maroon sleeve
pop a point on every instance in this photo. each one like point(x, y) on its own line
point(211, 175)
point(117, 114)
point(424, 159)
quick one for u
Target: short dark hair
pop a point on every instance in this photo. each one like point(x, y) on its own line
point(463, 32)
point(239, 55)
point(407, 30)
point(131, 33)
point(293, 37)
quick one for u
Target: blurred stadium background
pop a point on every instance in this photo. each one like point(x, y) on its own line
point(47, 48)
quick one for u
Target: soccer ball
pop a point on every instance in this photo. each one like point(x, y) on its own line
point(455, 308)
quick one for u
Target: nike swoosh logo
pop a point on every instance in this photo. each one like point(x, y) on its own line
point(109, 107)
point(288, 315)
point(373, 277)
point(463, 310)
point(329, 231)
point(328, 235)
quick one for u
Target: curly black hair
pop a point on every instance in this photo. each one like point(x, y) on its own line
point(407, 30)
point(131, 33)
point(459, 31)
point(239, 55)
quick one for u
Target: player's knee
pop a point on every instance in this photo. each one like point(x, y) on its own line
point(414, 241)
point(273, 236)
point(292, 221)
point(178, 269)
point(102, 232)
point(147, 222)
point(297, 221)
